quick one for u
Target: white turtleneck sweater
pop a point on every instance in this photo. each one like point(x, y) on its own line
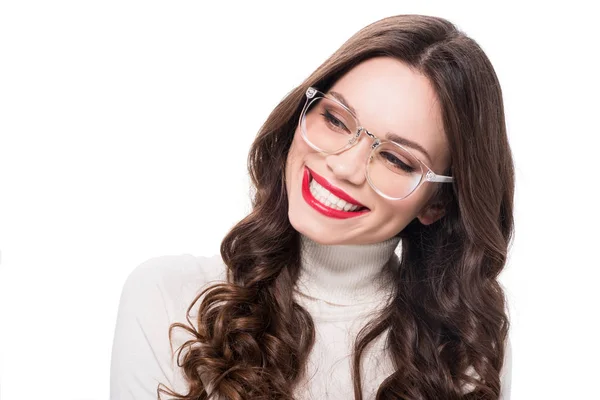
point(341, 286)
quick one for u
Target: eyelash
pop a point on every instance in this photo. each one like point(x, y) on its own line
point(403, 166)
point(334, 121)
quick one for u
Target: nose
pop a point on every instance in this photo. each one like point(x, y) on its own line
point(350, 164)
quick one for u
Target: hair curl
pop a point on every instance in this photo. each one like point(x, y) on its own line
point(448, 313)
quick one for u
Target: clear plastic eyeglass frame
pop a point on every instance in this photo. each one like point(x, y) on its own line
point(427, 174)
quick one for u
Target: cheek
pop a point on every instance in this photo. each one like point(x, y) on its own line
point(400, 213)
point(299, 150)
point(294, 158)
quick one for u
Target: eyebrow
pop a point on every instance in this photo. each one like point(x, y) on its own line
point(406, 142)
point(342, 100)
point(390, 135)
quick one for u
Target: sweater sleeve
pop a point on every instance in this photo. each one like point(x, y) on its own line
point(155, 295)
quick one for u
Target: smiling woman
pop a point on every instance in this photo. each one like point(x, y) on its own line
point(397, 140)
point(387, 96)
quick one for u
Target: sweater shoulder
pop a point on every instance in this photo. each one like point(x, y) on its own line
point(157, 294)
point(177, 279)
point(175, 273)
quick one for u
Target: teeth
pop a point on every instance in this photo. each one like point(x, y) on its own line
point(329, 199)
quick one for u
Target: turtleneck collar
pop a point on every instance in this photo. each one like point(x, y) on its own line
point(345, 274)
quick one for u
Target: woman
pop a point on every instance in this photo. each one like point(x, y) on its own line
point(397, 139)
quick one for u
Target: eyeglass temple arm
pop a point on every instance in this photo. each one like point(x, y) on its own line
point(433, 177)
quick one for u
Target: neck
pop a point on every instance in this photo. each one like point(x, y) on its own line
point(346, 274)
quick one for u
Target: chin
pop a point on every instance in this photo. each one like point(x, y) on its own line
point(310, 228)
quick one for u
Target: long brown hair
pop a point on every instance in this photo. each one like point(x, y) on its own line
point(448, 313)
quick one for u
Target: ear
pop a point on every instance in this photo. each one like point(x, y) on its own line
point(431, 213)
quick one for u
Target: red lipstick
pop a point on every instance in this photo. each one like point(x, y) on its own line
point(322, 208)
point(336, 191)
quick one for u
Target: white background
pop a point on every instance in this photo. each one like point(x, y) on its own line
point(124, 131)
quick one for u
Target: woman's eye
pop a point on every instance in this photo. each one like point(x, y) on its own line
point(397, 162)
point(332, 120)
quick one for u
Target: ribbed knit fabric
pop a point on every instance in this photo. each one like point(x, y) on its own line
point(343, 287)
point(345, 274)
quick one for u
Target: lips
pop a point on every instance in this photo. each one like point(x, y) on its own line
point(322, 208)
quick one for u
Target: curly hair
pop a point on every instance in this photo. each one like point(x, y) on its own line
point(447, 318)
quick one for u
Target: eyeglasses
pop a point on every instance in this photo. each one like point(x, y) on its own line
point(329, 127)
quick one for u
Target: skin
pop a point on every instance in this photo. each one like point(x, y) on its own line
point(388, 96)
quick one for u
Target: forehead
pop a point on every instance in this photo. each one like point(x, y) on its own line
point(388, 96)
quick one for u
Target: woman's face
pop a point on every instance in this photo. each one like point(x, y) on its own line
point(387, 96)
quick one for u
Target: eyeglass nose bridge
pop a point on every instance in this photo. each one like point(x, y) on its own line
point(354, 139)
